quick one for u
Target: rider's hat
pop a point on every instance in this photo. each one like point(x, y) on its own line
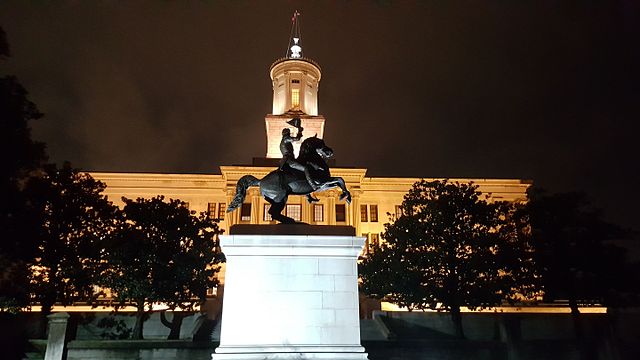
point(295, 122)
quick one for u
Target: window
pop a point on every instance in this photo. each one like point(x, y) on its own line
point(373, 213)
point(211, 210)
point(212, 291)
point(222, 207)
point(398, 211)
point(363, 213)
point(295, 98)
point(265, 215)
point(294, 211)
point(245, 212)
point(375, 241)
point(318, 213)
point(341, 213)
point(295, 81)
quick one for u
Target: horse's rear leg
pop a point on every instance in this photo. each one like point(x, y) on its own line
point(276, 212)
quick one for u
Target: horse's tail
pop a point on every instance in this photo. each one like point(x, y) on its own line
point(241, 191)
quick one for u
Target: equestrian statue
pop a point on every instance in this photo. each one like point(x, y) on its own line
point(295, 176)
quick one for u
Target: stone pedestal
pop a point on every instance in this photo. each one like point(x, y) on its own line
point(55, 340)
point(290, 296)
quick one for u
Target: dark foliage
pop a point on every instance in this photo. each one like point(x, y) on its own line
point(161, 253)
point(114, 329)
point(578, 261)
point(452, 248)
point(20, 157)
point(74, 219)
point(575, 255)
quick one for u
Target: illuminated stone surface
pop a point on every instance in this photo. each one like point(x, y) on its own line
point(201, 190)
point(307, 295)
point(55, 340)
point(302, 75)
point(313, 125)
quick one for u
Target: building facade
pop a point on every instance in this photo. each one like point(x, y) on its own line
point(375, 200)
point(295, 81)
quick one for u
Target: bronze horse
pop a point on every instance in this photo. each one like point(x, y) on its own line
point(280, 183)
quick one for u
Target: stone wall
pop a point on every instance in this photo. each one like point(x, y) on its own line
point(414, 336)
point(513, 336)
point(139, 350)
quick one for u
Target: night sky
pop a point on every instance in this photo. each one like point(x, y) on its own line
point(540, 90)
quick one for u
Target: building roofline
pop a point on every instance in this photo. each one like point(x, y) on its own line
point(303, 59)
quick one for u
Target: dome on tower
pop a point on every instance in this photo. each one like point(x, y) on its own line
point(295, 79)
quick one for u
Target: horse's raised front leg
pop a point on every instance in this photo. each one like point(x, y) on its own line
point(339, 182)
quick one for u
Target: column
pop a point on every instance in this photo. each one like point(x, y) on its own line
point(331, 207)
point(55, 340)
point(355, 209)
point(255, 205)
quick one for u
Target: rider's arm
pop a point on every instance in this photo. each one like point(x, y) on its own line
point(299, 135)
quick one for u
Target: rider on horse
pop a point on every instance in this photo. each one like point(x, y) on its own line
point(277, 185)
point(288, 157)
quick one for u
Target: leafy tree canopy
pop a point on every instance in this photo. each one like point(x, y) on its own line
point(451, 248)
point(578, 261)
point(20, 156)
point(161, 253)
point(20, 153)
point(74, 219)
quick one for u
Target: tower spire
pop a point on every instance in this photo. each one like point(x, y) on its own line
point(294, 50)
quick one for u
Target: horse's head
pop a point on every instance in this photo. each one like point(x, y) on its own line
point(315, 145)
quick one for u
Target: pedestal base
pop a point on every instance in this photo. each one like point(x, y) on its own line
point(290, 296)
point(290, 353)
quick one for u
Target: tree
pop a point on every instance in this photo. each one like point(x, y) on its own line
point(576, 259)
point(572, 248)
point(161, 253)
point(451, 248)
point(74, 219)
point(20, 157)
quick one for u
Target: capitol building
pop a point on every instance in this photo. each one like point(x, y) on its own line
point(295, 85)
